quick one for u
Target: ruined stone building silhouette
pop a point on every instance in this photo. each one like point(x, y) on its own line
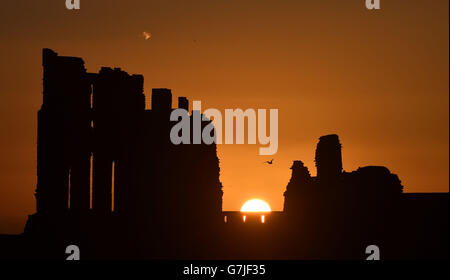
point(370, 184)
point(110, 181)
point(102, 155)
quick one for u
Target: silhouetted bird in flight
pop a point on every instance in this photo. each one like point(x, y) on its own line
point(269, 161)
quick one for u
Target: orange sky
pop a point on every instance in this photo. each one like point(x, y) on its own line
point(379, 79)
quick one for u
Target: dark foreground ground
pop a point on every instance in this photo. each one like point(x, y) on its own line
point(417, 230)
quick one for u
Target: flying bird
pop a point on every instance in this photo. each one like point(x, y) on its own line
point(269, 161)
point(146, 35)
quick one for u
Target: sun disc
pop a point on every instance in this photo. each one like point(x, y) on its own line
point(255, 205)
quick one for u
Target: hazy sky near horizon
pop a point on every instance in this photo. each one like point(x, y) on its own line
point(378, 79)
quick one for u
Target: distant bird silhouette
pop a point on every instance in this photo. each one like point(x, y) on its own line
point(146, 35)
point(269, 161)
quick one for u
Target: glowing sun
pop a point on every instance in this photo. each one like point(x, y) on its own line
point(255, 205)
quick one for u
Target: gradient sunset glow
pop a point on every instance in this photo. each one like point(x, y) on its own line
point(378, 79)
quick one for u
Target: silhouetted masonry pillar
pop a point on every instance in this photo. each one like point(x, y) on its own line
point(118, 106)
point(63, 135)
point(102, 183)
point(299, 183)
point(161, 100)
point(328, 158)
point(183, 103)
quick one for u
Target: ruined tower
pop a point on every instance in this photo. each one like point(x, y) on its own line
point(328, 159)
point(64, 134)
point(300, 183)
